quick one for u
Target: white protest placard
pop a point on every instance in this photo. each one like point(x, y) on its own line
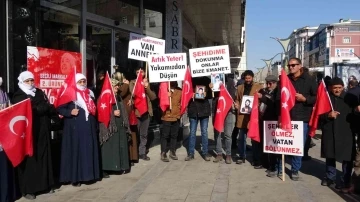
point(209, 60)
point(167, 67)
point(140, 47)
point(278, 141)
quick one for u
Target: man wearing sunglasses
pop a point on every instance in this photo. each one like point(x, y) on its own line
point(305, 98)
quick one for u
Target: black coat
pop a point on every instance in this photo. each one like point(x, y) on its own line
point(200, 107)
point(35, 173)
point(337, 138)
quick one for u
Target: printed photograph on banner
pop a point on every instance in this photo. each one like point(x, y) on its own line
point(246, 104)
point(50, 68)
point(141, 47)
point(200, 92)
point(216, 80)
point(278, 141)
point(209, 60)
point(167, 67)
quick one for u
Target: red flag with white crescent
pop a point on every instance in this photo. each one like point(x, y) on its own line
point(140, 100)
point(223, 106)
point(187, 91)
point(67, 91)
point(106, 101)
point(163, 96)
point(253, 132)
point(287, 101)
point(16, 131)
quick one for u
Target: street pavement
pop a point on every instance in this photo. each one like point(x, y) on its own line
point(200, 181)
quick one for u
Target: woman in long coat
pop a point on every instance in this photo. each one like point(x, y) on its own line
point(35, 173)
point(113, 139)
point(8, 189)
point(79, 150)
point(125, 94)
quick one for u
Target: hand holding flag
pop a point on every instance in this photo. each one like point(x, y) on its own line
point(105, 102)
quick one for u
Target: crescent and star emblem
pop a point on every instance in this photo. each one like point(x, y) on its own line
point(224, 102)
point(16, 119)
point(287, 97)
point(186, 83)
point(103, 106)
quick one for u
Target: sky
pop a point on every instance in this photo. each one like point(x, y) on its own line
point(278, 18)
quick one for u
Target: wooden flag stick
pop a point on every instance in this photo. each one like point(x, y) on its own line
point(146, 70)
point(170, 97)
point(283, 167)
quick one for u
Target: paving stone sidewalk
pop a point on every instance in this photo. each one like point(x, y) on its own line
point(200, 181)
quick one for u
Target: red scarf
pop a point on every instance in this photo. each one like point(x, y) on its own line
point(85, 94)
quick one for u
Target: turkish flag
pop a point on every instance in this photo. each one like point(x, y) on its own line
point(163, 96)
point(16, 131)
point(253, 132)
point(322, 106)
point(105, 102)
point(67, 91)
point(187, 91)
point(287, 101)
point(223, 106)
point(140, 101)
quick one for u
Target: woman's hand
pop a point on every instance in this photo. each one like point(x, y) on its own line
point(75, 112)
point(117, 113)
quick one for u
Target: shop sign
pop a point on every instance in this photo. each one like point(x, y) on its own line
point(278, 141)
point(210, 60)
point(174, 40)
point(141, 47)
point(167, 67)
point(50, 68)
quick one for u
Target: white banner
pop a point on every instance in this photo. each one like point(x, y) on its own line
point(210, 60)
point(140, 47)
point(278, 141)
point(167, 67)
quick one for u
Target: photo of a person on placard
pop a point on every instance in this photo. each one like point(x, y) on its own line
point(247, 107)
point(217, 80)
point(200, 94)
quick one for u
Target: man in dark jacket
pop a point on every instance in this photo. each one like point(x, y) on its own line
point(199, 111)
point(306, 90)
point(337, 142)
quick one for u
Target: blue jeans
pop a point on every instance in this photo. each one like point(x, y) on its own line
point(330, 167)
point(204, 121)
point(296, 160)
point(242, 142)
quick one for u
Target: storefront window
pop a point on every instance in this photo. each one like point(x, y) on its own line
point(153, 23)
point(31, 24)
point(125, 11)
point(74, 4)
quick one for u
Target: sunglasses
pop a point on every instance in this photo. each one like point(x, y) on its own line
point(292, 65)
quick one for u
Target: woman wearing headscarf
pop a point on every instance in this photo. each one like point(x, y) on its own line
point(113, 139)
point(79, 151)
point(36, 173)
point(8, 188)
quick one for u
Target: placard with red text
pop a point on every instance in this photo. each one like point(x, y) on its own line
point(278, 141)
point(50, 68)
point(141, 47)
point(167, 67)
point(209, 60)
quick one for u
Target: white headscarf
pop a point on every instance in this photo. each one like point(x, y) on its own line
point(28, 89)
point(80, 101)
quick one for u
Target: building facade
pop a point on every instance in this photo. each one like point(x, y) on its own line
point(334, 43)
point(99, 30)
point(298, 40)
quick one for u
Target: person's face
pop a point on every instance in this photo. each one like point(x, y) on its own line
point(138, 71)
point(271, 85)
point(66, 64)
point(294, 66)
point(217, 79)
point(201, 91)
point(82, 82)
point(247, 103)
point(101, 76)
point(248, 79)
point(29, 82)
point(337, 90)
point(115, 89)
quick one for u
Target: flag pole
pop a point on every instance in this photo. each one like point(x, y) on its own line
point(146, 70)
point(327, 93)
point(132, 93)
point(170, 97)
point(283, 167)
point(75, 84)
